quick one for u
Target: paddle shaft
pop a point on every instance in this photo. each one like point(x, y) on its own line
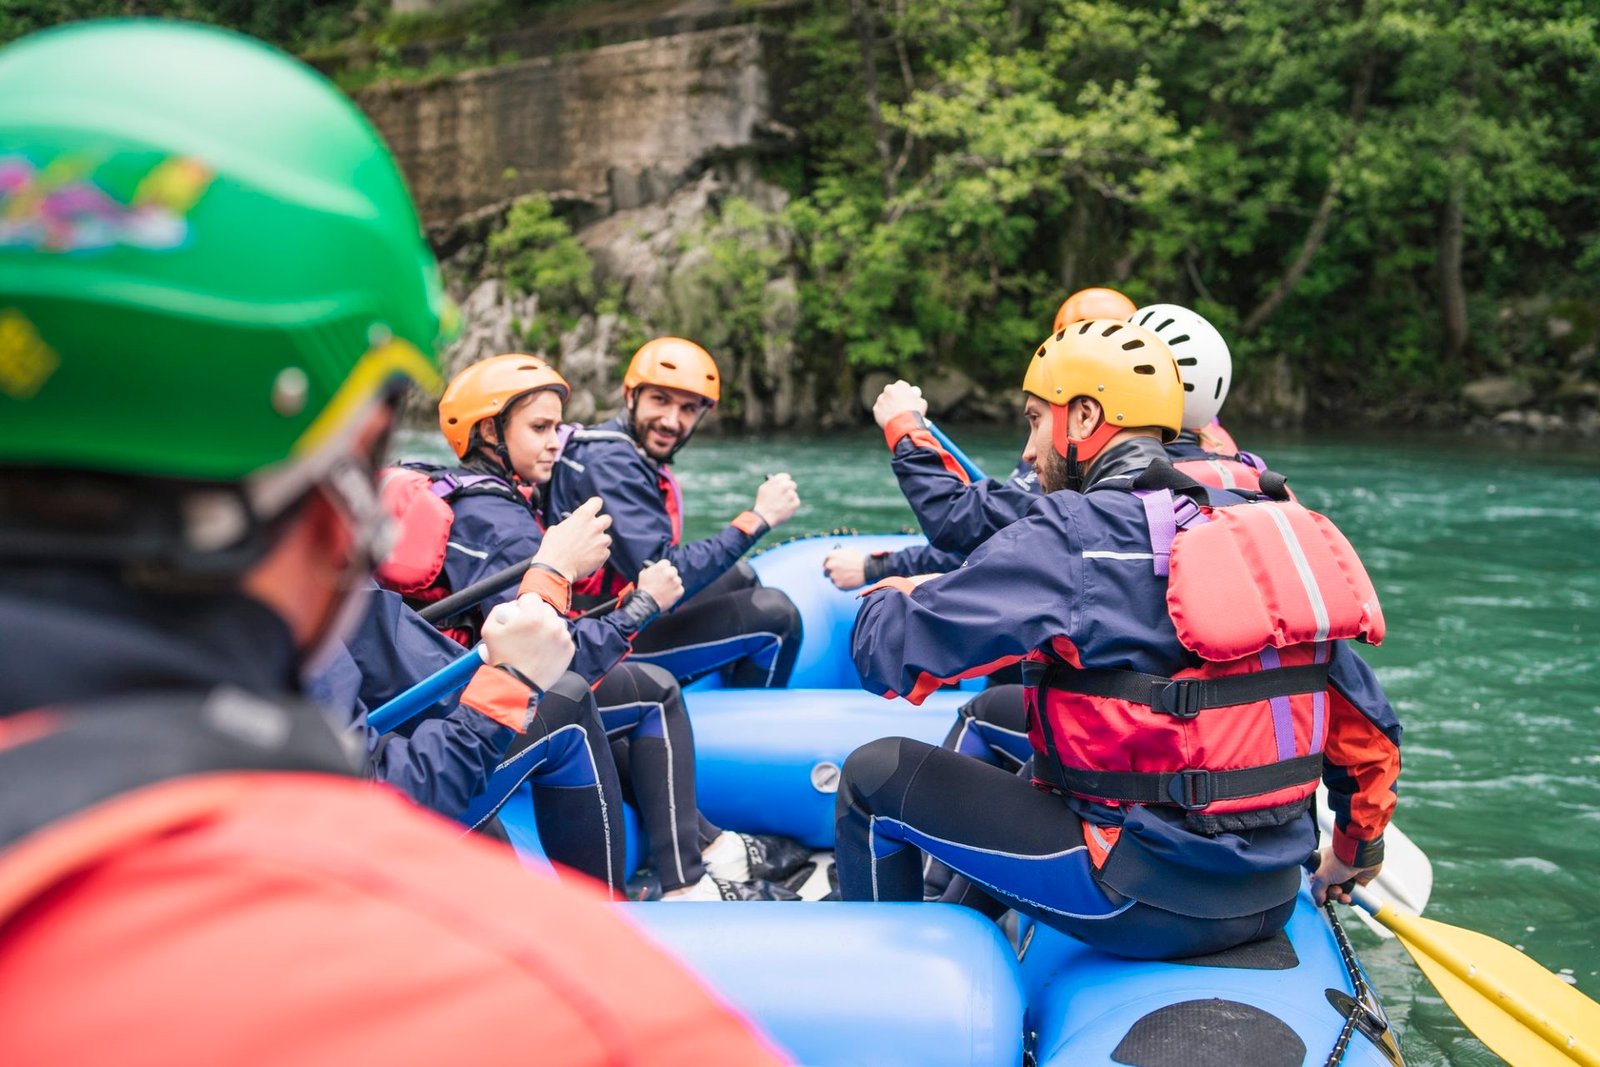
point(972, 469)
point(476, 593)
point(444, 681)
point(432, 689)
point(1511, 1002)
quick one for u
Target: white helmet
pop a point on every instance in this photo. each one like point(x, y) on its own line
point(1202, 356)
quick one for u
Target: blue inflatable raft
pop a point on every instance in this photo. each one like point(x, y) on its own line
point(930, 984)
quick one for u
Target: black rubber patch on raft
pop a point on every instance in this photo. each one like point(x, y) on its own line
point(1275, 953)
point(1210, 1033)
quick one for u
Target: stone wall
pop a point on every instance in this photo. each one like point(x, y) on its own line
point(618, 125)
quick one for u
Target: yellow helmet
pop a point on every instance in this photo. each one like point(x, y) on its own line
point(1126, 368)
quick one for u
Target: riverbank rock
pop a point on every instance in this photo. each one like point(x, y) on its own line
point(1497, 394)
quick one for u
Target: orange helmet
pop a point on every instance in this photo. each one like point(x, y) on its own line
point(487, 388)
point(1092, 304)
point(674, 363)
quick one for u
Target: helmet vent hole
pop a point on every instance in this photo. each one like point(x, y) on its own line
point(1188, 387)
point(1085, 327)
point(1144, 368)
point(1061, 335)
point(1129, 346)
point(1113, 328)
point(454, 420)
point(1178, 340)
point(1040, 353)
point(1218, 394)
point(1164, 325)
point(669, 366)
point(1146, 319)
point(1187, 361)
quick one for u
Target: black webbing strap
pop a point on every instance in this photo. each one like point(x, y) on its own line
point(1189, 790)
point(1184, 698)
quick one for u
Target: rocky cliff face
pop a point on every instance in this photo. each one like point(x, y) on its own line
point(614, 126)
point(644, 143)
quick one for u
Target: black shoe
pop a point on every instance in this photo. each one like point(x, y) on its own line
point(774, 858)
point(755, 889)
point(799, 878)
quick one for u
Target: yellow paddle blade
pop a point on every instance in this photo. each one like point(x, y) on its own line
point(1525, 1014)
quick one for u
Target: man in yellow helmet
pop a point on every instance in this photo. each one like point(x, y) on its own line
point(1176, 737)
point(727, 622)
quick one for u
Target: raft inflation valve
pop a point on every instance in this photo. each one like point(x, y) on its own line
point(825, 777)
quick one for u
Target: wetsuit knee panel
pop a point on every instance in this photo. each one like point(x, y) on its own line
point(881, 769)
point(777, 610)
point(653, 683)
point(571, 686)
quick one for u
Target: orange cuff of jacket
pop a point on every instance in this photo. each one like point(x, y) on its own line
point(499, 696)
point(1349, 849)
point(749, 523)
point(899, 426)
point(549, 587)
point(899, 583)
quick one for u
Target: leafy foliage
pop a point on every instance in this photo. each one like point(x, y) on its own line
point(536, 253)
point(1361, 187)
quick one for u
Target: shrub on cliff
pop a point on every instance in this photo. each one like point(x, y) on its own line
point(536, 253)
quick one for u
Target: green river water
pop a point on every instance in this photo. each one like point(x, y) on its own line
point(1484, 553)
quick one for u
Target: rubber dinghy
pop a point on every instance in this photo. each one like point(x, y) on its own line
point(930, 984)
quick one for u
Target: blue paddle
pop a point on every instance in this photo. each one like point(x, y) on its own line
point(432, 689)
point(956, 454)
point(444, 681)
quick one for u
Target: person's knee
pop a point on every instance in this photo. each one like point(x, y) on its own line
point(567, 702)
point(653, 683)
point(778, 613)
point(571, 686)
point(747, 576)
point(869, 769)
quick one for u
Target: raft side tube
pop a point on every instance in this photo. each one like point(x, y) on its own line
point(856, 985)
point(1260, 1003)
point(828, 614)
point(768, 761)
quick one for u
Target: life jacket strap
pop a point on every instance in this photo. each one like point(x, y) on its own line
point(1182, 698)
point(1189, 790)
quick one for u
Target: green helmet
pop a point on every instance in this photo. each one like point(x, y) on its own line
point(209, 264)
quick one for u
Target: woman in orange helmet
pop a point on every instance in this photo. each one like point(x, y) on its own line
point(502, 417)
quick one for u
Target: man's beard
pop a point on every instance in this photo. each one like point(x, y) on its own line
point(1051, 468)
point(642, 432)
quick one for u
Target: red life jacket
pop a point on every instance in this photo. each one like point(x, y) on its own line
point(1213, 438)
point(1256, 593)
point(417, 497)
point(1223, 472)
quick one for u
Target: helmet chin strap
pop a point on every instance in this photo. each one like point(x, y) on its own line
point(1079, 452)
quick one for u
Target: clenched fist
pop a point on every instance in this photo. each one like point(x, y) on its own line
point(897, 397)
point(846, 568)
point(777, 500)
point(529, 635)
point(662, 581)
point(577, 545)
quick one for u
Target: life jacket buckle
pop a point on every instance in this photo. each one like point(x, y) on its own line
point(1190, 790)
point(1180, 699)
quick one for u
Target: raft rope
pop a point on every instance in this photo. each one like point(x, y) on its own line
point(1365, 1007)
point(840, 531)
